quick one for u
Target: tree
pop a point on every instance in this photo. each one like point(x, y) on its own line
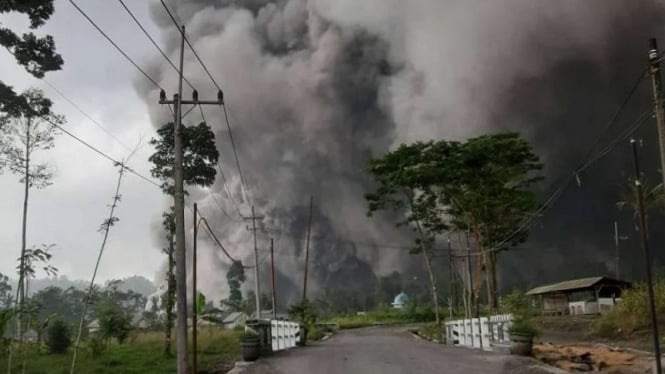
point(200, 157)
point(113, 323)
point(5, 292)
point(58, 337)
point(234, 278)
point(37, 55)
point(486, 185)
point(28, 129)
point(654, 199)
point(402, 188)
point(28, 265)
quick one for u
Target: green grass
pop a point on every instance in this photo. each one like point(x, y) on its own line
point(144, 353)
point(383, 317)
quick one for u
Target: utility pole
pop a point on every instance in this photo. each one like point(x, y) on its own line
point(309, 228)
point(253, 218)
point(179, 208)
point(647, 257)
point(617, 239)
point(471, 298)
point(272, 283)
point(451, 287)
point(195, 294)
point(654, 70)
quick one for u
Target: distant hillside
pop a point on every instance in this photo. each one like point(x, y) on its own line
point(135, 283)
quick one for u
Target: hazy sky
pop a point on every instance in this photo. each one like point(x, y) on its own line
point(100, 81)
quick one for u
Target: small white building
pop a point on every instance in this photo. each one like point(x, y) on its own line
point(400, 301)
point(234, 319)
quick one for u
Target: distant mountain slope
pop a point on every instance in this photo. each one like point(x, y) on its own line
point(135, 283)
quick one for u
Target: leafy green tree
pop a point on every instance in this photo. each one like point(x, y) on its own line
point(36, 54)
point(402, 186)
point(113, 323)
point(27, 130)
point(486, 186)
point(33, 259)
point(200, 155)
point(58, 337)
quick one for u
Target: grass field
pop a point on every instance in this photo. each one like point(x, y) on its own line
point(142, 353)
point(383, 317)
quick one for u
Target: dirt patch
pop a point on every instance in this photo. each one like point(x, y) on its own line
point(589, 357)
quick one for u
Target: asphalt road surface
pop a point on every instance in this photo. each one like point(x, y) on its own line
point(388, 351)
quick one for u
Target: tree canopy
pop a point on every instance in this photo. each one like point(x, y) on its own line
point(482, 185)
point(36, 54)
point(200, 155)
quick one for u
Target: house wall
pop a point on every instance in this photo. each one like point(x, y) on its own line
point(583, 307)
point(555, 303)
point(607, 304)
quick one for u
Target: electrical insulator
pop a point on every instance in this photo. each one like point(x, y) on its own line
point(195, 95)
point(220, 96)
point(162, 95)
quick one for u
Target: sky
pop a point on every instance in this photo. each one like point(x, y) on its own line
point(101, 82)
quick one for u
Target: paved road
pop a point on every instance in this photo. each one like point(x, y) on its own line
point(387, 351)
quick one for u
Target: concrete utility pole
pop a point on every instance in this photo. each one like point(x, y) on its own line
point(253, 218)
point(647, 258)
point(195, 293)
point(309, 229)
point(654, 70)
point(272, 283)
point(179, 208)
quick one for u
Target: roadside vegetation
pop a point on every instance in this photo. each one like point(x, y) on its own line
point(141, 353)
point(631, 316)
point(386, 316)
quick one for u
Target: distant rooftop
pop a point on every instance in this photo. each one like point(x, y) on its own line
point(576, 284)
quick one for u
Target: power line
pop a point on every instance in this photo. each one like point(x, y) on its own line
point(221, 172)
point(115, 45)
point(138, 23)
point(205, 68)
point(78, 108)
point(233, 146)
point(184, 35)
point(96, 150)
point(219, 244)
point(574, 175)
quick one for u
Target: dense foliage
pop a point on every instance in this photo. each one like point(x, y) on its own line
point(58, 337)
point(482, 186)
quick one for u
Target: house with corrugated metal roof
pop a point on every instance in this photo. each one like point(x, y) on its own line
point(580, 296)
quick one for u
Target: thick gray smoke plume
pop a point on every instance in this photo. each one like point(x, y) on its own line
point(316, 87)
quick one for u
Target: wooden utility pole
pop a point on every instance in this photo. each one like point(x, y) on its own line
point(179, 208)
point(654, 70)
point(309, 228)
point(253, 218)
point(272, 282)
point(195, 294)
point(647, 257)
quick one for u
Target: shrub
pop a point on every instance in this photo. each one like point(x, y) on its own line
point(58, 337)
point(523, 326)
point(96, 345)
point(518, 304)
point(632, 312)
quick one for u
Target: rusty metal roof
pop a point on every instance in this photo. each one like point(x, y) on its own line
point(574, 284)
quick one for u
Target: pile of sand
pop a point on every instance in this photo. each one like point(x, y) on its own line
point(588, 357)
